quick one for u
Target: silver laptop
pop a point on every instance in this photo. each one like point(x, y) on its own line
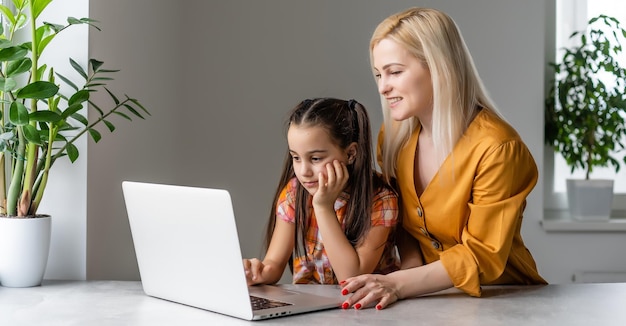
point(188, 252)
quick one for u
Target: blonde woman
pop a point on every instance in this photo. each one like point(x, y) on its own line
point(462, 172)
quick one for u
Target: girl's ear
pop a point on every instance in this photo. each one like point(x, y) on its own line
point(352, 151)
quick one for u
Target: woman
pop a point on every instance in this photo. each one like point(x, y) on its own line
point(462, 172)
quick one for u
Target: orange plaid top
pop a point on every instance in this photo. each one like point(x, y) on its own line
point(317, 268)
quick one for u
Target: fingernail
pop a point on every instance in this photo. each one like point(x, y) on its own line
point(345, 305)
point(344, 291)
point(379, 307)
point(342, 282)
point(357, 306)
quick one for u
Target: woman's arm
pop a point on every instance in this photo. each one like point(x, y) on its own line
point(382, 290)
point(270, 270)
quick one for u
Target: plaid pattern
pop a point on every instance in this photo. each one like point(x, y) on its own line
point(317, 269)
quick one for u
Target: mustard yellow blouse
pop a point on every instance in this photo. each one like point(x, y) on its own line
point(470, 215)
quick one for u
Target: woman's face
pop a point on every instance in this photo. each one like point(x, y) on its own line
point(311, 149)
point(403, 80)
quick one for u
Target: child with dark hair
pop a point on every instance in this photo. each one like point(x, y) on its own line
point(332, 216)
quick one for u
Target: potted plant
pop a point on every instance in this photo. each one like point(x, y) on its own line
point(39, 125)
point(586, 111)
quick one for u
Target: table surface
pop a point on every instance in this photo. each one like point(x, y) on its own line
point(124, 303)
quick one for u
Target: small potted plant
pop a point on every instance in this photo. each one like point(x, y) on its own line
point(39, 125)
point(586, 111)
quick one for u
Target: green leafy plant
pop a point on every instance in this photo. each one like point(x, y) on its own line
point(38, 123)
point(585, 116)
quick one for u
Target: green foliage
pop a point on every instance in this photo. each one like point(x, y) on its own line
point(584, 117)
point(39, 124)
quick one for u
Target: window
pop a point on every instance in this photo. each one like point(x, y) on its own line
point(573, 16)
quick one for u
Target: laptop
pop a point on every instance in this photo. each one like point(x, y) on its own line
point(188, 252)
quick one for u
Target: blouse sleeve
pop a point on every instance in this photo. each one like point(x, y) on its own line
point(504, 178)
point(285, 207)
point(385, 208)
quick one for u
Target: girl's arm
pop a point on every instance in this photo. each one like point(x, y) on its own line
point(344, 258)
point(270, 270)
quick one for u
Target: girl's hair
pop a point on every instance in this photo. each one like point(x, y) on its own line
point(345, 122)
point(458, 92)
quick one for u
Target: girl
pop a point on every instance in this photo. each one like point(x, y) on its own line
point(332, 216)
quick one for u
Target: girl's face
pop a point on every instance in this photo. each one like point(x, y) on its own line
point(403, 80)
point(311, 149)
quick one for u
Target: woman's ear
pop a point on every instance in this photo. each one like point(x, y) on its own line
point(351, 151)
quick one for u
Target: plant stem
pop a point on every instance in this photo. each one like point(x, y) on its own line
point(16, 178)
point(91, 125)
point(31, 148)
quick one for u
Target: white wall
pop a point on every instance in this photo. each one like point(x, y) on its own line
point(65, 198)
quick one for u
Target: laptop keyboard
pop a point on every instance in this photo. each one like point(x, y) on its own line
point(263, 303)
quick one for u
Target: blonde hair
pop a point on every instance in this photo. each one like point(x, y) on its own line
point(458, 92)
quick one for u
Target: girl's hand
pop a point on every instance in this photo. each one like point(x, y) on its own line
point(254, 271)
point(369, 290)
point(331, 184)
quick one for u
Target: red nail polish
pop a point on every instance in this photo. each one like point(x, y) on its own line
point(344, 291)
point(357, 306)
point(379, 307)
point(342, 282)
point(345, 305)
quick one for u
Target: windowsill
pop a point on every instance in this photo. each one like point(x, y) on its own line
point(560, 221)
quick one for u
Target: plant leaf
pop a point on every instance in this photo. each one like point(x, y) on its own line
point(8, 14)
point(80, 118)
point(139, 105)
point(13, 53)
point(45, 116)
point(44, 42)
point(133, 111)
point(32, 134)
point(41, 70)
point(109, 125)
point(79, 97)
point(18, 67)
point(95, 64)
point(39, 6)
point(95, 135)
point(78, 68)
point(71, 110)
point(56, 28)
point(72, 152)
point(67, 81)
point(7, 84)
point(96, 107)
point(123, 115)
point(113, 96)
point(38, 90)
point(18, 114)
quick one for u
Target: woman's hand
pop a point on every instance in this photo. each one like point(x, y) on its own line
point(370, 290)
point(331, 184)
point(383, 290)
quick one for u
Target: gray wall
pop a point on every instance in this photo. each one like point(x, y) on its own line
point(219, 77)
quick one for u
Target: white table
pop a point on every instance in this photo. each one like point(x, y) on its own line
point(124, 303)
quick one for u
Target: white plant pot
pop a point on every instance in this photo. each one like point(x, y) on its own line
point(24, 248)
point(590, 200)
